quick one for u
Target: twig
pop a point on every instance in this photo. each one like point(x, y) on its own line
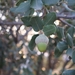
point(65, 16)
point(63, 21)
point(70, 16)
point(10, 23)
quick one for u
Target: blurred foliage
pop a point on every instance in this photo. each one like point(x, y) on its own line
point(18, 52)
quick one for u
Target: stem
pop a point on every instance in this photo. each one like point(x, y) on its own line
point(66, 7)
point(46, 9)
point(63, 21)
point(65, 16)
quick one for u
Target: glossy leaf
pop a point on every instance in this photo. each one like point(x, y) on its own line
point(69, 40)
point(19, 1)
point(60, 32)
point(73, 56)
point(35, 22)
point(49, 29)
point(26, 21)
point(50, 2)
point(36, 4)
point(29, 12)
point(71, 2)
point(71, 31)
point(57, 52)
point(49, 18)
point(13, 9)
point(69, 52)
point(22, 8)
point(69, 72)
point(62, 46)
point(32, 42)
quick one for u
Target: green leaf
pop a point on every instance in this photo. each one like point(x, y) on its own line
point(69, 72)
point(27, 71)
point(49, 18)
point(60, 32)
point(57, 52)
point(62, 46)
point(73, 56)
point(13, 9)
point(29, 12)
point(1, 62)
point(71, 2)
point(36, 4)
point(69, 40)
point(50, 72)
point(50, 2)
point(22, 8)
point(35, 22)
point(49, 29)
point(69, 52)
point(32, 42)
point(71, 31)
point(19, 1)
point(26, 21)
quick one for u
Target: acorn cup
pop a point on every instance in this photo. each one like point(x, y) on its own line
point(42, 42)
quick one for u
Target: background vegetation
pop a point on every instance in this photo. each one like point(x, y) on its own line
point(21, 21)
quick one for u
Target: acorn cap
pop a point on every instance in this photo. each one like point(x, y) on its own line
point(42, 39)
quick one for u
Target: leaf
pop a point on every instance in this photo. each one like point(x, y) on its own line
point(60, 32)
point(50, 2)
point(32, 42)
point(26, 21)
point(69, 52)
point(49, 18)
point(13, 9)
point(29, 12)
point(35, 22)
point(2, 62)
point(27, 71)
point(22, 8)
point(19, 1)
point(57, 52)
point(36, 4)
point(50, 72)
point(69, 72)
point(69, 40)
point(71, 31)
point(71, 2)
point(62, 46)
point(73, 56)
point(49, 29)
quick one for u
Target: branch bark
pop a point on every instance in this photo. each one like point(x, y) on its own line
point(66, 16)
point(10, 23)
point(69, 16)
point(63, 21)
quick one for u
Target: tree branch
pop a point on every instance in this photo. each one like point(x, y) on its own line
point(10, 23)
point(63, 21)
point(65, 16)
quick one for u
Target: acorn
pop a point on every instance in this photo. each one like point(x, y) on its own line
point(42, 42)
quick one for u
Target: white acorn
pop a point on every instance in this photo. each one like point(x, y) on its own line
point(42, 42)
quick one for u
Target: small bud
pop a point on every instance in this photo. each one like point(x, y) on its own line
point(42, 42)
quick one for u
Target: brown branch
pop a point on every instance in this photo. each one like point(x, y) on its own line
point(63, 21)
point(65, 16)
point(10, 23)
